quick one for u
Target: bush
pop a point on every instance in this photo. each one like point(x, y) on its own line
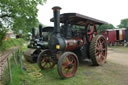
point(10, 43)
point(2, 35)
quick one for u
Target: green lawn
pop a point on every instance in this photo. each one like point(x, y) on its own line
point(108, 74)
point(10, 43)
point(119, 47)
point(86, 75)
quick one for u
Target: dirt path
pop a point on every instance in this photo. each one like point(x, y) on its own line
point(3, 58)
point(118, 56)
point(115, 71)
point(117, 65)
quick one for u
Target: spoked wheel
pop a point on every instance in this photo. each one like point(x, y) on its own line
point(90, 32)
point(45, 60)
point(98, 50)
point(67, 65)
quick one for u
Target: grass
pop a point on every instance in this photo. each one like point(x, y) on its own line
point(86, 75)
point(10, 43)
point(17, 74)
point(119, 47)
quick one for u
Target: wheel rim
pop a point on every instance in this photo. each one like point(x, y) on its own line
point(101, 50)
point(69, 66)
point(91, 32)
point(46, 61)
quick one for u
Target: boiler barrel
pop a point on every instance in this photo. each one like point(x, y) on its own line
point(73, 44)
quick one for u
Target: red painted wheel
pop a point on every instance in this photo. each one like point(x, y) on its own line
point(67, 65)
point(90, 32)
point(98, 50)
point(45, 61)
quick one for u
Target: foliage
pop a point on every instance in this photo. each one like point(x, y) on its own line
point(104, 27)
point(19, 14)
point(2, 35)
point(123, 23)
point(10, 43)
point(99, 28)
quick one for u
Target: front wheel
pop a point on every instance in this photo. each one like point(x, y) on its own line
point(45, 60)
point(67, 65)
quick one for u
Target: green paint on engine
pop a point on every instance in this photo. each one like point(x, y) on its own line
point(45, 44)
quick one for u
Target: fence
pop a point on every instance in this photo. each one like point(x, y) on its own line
point(13, 58)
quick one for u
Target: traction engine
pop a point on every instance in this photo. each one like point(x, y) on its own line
point(66, 47)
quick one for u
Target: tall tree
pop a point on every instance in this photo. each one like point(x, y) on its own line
point(19, 14)
point(123, 23)
point(104, 27)
point(2, 35)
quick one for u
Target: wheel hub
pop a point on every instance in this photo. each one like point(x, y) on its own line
point(70, 66)
point(101, 50)
point(47, 60)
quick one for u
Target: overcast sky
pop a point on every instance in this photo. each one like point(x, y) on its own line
point(111, 11)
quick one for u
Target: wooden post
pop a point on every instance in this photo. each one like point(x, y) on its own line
point(9, 68)
point(21, 62)
point(14, 55)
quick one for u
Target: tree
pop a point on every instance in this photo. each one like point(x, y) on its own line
point(123, 23)
point(19, 14)
point(2, 35)
point(104, 27)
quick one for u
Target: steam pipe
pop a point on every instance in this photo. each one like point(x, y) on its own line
point(33, 33)
point(56, 12)
point(40, 31)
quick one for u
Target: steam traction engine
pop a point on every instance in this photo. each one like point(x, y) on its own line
point(38, 42)
point(67, 45)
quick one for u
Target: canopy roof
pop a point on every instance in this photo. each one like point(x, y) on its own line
point(48, 29)
point(78, 19)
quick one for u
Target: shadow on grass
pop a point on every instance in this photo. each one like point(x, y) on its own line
point(86, 62)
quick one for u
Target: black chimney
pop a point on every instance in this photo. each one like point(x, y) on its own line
point(33, 33)
point(40, 31)
point(56, 12)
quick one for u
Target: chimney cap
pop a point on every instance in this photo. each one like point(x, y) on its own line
point(40, 26)
point(56, 8)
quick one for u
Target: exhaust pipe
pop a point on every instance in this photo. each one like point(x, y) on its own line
point(56, 41)
point(33, 33)
point(40, 31)
point(56, 12)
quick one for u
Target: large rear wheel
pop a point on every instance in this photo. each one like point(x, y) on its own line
point(67, 65)
point(45, 60)
point(98, 50)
